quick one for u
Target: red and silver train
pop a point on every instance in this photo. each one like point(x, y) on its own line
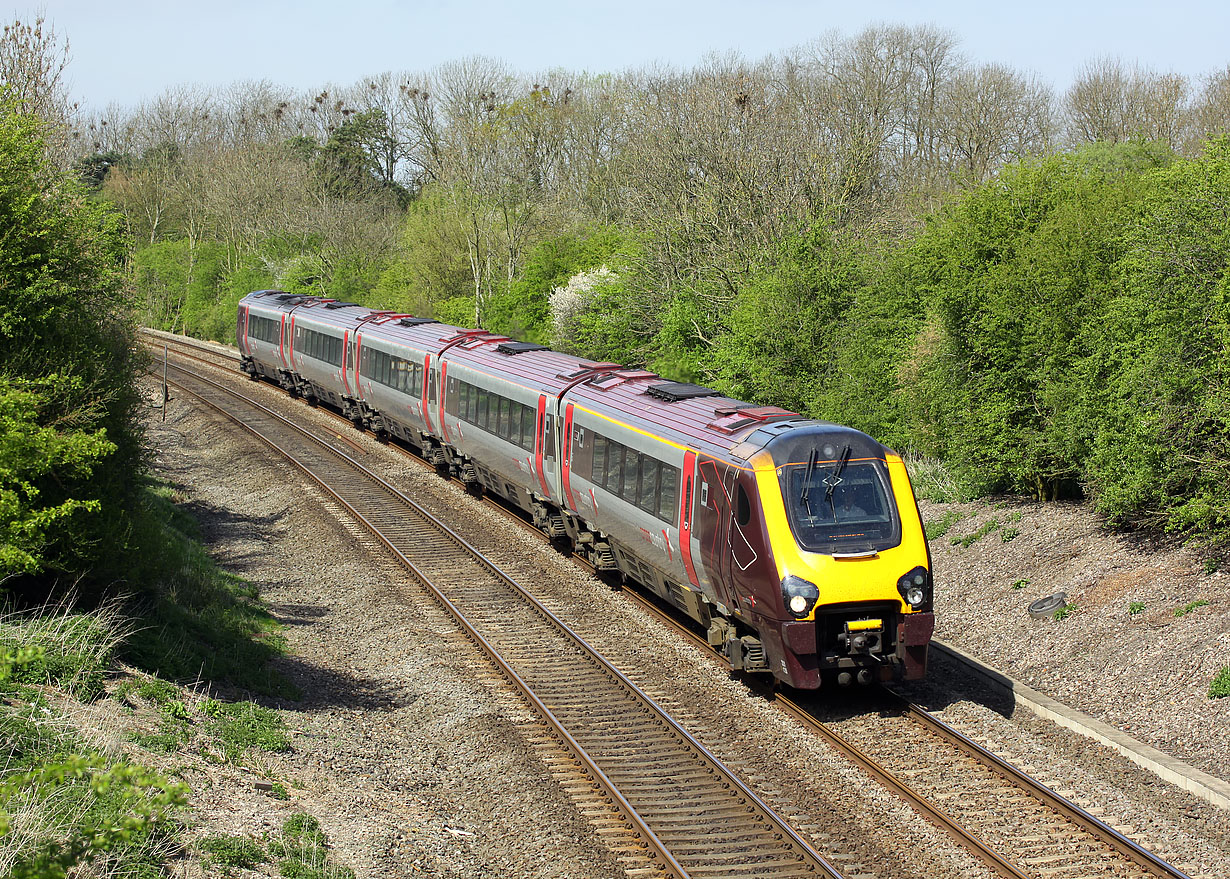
point(796, 543)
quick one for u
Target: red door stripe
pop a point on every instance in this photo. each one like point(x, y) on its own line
point(443, 384)
point(685, 516)
point(426, 405)
point(539, 443)
point(345, 370)
point(567, 468)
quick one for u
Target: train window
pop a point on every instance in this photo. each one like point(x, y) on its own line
point(548, 436)
point(597, 473)
point(743, 506)
point(632, 462)
point(647, 499)
point(668, 493)
point(614, 467)
point(528, 418)
point(480, 416)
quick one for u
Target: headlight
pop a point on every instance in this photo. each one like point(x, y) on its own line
point(799, 595)
point(915, 587)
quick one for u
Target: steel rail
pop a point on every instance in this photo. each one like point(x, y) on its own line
point(1099, 829)
point(641, 826)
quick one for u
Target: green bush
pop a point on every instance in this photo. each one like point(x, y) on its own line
point(242, 725)
point(1220, 687)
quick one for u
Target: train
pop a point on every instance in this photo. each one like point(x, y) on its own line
point(795, 544)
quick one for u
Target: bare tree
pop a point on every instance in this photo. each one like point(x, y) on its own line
point(1210, 115)
point(1110, 101)
point(32, 65)
point(990, 116)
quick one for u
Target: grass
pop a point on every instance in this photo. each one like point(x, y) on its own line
point(238, 726)
point(1009, 534)
point(1220, 687)
point(934, 482)
point(941, 526)
point(1136, 607)
point(200, 623)
point(233, 852)
point(76, 648)
point(302, 851)
point(1189, 607)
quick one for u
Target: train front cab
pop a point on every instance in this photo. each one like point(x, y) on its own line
point(851, 559)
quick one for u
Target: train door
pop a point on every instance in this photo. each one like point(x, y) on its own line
point(686, 507)
point(544, 447)
point(346, 346)
point(429, 392)
point(242, 340)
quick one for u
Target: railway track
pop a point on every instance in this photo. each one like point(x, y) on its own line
point(694, 816)
point(1015, 825)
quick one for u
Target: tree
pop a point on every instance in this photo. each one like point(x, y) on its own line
point(70, 448)
point(32, 64)
point(1112, 102)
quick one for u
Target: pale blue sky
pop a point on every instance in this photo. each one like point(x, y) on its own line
point(130, 50)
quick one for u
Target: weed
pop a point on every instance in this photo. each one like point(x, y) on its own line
point(969, 539)
point(1212, 566)
point(1189, 607)
point(302, 851)
point(1009, 534)
point(1021, 583)
point(243, 725)
point(279, 791)
point(73, 648)
point(234, 852)
point(1220, 687)
point(938, 528)
point(171, 736)
point(1136, 607)
point(211, 707)
point(1015, 517)
point(934, 482)
point(1064, 612)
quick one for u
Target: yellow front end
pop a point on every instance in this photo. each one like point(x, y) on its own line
point(861, 624)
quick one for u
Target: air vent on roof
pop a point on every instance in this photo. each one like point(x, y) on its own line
point(342, 305)
point(673, 392)
point(511, 348)
point(417, 321)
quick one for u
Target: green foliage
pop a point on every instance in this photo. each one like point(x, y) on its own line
point(1136, 607)
point(1014, 276)
point(69, 443)
point(199, 622)
point(784, 326)
point(302, 851)
point(1008, 534)
point(1021, 583)
point(523, 310)
point(233, 852)
point(937, 528)
point(242, 725)
point(1220, 686)
point(1189, 607)
point(1063, 613)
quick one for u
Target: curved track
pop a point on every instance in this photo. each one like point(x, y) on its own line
point(696, 817)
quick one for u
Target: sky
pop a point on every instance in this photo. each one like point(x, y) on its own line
point(129, 51)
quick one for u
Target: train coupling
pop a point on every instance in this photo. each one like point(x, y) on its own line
point(862, 637)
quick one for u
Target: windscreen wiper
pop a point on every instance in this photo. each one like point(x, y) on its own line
point(811, 469)
point(835, 480)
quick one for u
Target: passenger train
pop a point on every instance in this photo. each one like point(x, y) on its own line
point(797, 544)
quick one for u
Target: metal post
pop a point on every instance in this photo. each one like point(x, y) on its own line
point(166, 395)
